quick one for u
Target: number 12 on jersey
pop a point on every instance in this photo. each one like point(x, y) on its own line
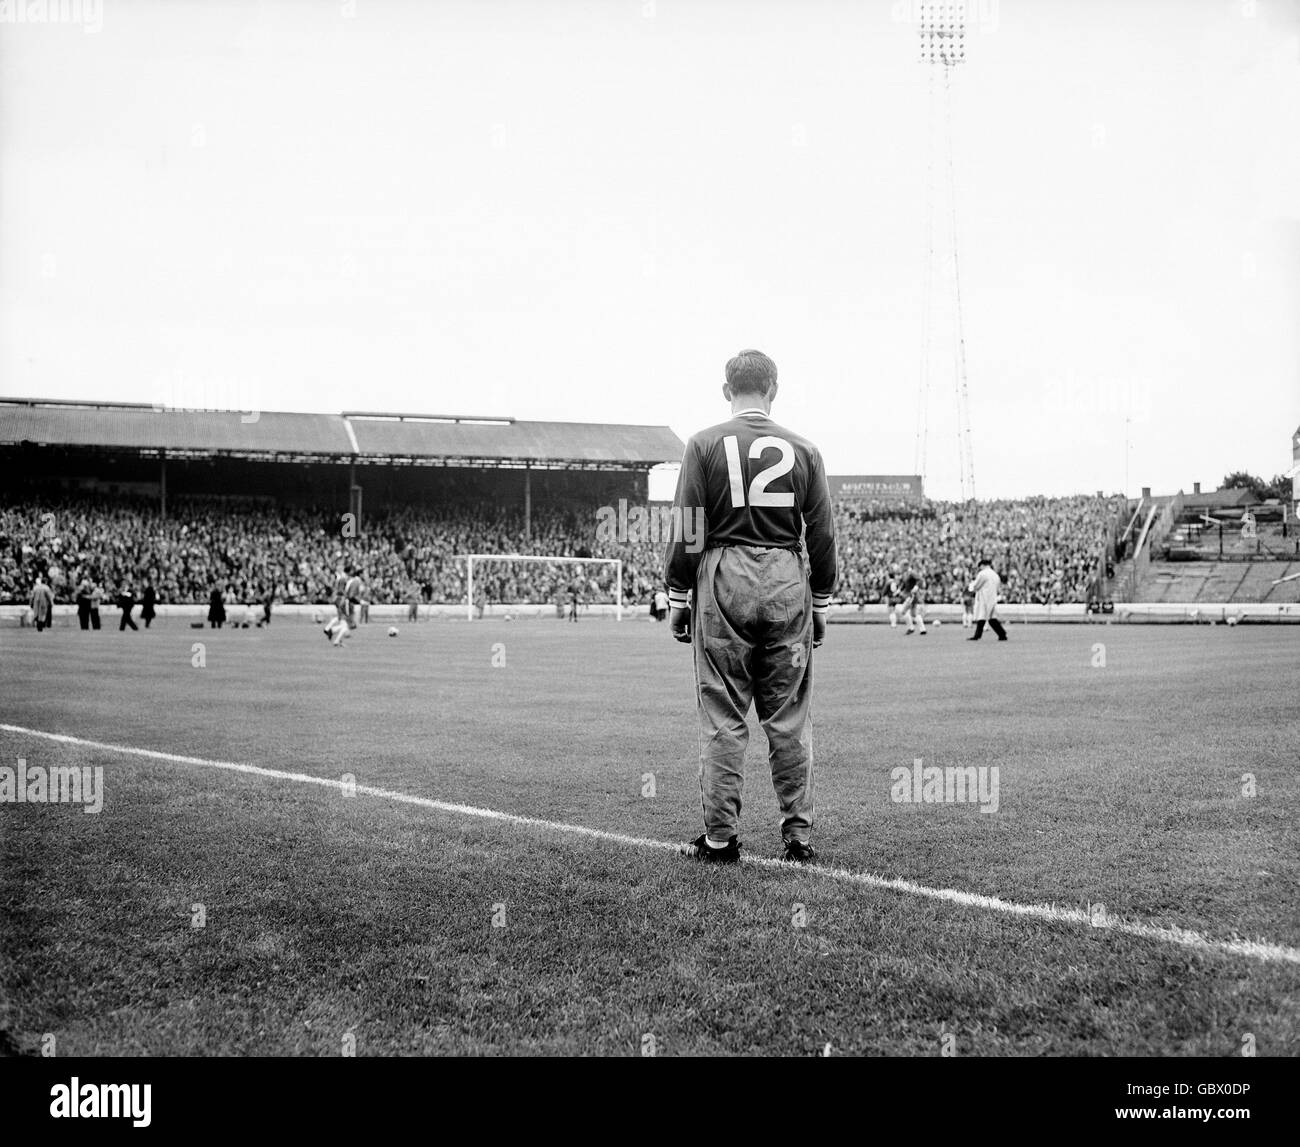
point(759, 495)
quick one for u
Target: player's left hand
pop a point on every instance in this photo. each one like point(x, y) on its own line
point(819, 629)
point(679, 621)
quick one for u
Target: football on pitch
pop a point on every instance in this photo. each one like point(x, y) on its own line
point(392, 631)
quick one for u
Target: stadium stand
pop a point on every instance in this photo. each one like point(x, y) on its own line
point(133, 496)
point(250, 550)
point(130, 494)
point(1263, 582)
point(1047, 550)
point(251, 547)
point(1225, 546)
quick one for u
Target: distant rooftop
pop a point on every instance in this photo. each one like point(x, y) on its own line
point(362, 436)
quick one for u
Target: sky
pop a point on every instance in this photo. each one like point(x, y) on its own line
point(579, 211)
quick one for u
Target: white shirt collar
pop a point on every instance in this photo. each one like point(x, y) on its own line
point(752, 410)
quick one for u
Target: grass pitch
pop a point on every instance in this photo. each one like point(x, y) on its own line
point(332, 921)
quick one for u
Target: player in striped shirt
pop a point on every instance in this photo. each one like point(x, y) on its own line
point(751, 595)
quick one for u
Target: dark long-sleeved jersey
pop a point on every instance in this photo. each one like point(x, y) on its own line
point(750, 482)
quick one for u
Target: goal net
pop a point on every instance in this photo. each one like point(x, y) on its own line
point(516, 579)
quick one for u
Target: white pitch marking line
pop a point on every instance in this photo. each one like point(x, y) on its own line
point(1258, 950)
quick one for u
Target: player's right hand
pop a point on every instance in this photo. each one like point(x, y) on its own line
point(819, 629)
point(679, 621)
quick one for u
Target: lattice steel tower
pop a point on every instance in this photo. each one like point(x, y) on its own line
point(943, 337)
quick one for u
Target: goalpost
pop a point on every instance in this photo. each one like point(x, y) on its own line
point(617, 563)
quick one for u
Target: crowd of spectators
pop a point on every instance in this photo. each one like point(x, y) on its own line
point(1046, 550)
point(255, 549)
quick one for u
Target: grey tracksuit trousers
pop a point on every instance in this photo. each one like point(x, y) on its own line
point(752, 623)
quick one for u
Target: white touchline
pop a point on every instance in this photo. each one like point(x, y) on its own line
point(1270, 953)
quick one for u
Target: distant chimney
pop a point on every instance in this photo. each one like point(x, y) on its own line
point(1196, 487)
point(1146, 491)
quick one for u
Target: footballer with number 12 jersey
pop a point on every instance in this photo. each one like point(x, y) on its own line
point(751, 596)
